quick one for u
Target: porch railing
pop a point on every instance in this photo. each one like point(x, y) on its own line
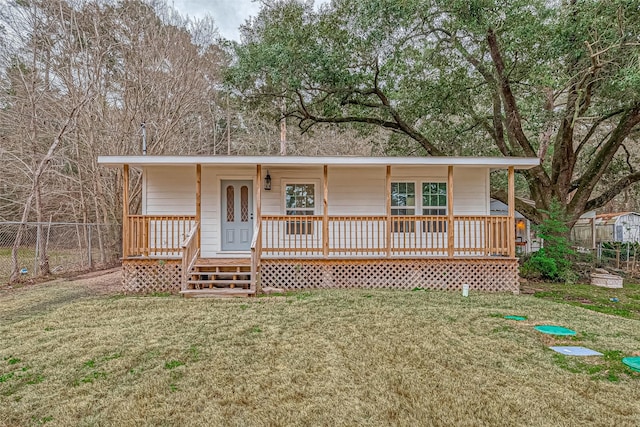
point(375, 236)
point(190, 252)
point(153, 235)
point(347, 236)
point(256, 249)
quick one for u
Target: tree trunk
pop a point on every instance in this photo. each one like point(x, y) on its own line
point(43, 257)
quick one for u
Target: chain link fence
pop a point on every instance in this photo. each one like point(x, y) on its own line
point(57, 247)
point(616, 257)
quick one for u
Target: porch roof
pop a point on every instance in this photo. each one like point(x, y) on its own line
point(301, 161)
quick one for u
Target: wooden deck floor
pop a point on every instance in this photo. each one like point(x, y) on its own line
point(223, 262)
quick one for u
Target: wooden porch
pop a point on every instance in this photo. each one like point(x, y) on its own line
point(362, 248)
point(318, 241)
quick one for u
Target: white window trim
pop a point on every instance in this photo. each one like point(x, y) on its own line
point(283, 192)
point(416, 207)
point(446, 211)
point(418, 185)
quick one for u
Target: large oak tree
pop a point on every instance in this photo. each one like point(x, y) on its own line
point(558, 80)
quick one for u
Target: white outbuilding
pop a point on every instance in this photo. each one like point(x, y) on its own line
point(621, 227)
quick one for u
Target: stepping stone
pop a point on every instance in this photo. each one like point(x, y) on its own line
point(576, 351)
point(518, 318)
point(554, 330)
point(632, 362)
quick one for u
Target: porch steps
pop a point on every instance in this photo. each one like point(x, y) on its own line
point(217, 293)
point(219, 277)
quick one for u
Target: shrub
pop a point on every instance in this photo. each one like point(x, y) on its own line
point(553, 261)
point(540, 266)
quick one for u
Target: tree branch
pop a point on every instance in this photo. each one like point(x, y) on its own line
point(306, 115)
point(613, 191)
point(594, 127)
point(407, 128)
point(628, 158)
point(514, 121)
point(602, 159)
point(497, 133)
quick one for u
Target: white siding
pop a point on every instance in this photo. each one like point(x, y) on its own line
point(169, 191)
point(357, 191)
point(273, 200)
point(471, 191)
point(470, 197)
point(424, 173)
point(361, 190)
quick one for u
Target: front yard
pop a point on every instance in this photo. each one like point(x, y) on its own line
point(76, 353)
point(624, 302)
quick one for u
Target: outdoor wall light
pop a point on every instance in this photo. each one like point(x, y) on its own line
point(267, 181)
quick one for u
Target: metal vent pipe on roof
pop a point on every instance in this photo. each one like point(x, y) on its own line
point(144, 139)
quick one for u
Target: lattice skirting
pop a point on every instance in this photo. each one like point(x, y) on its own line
point(494, 275)
point(151, 275)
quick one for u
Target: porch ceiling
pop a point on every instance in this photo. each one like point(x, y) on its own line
point(303, 161)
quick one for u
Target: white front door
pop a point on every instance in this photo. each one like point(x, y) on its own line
point(237, 215)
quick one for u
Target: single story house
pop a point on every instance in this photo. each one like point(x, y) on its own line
point(226, 224)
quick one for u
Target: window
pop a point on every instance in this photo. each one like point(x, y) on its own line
point(403, 198)
point(231, 213)
point(434, 198)
point(403, 202)
point(244, 203)
point(299, 200)
point(434, 202)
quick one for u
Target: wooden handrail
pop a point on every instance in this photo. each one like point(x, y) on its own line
point(256, 233)
point(156, 235)
point(190, 253)
point(256, 252)
point(190, 236)
point(366, 235)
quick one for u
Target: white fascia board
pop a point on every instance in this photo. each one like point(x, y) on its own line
point(301, 161)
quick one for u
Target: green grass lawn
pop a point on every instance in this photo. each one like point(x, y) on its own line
point(592, 297)
point(69, 356)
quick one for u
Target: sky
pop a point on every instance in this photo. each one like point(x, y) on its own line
point(227, 14)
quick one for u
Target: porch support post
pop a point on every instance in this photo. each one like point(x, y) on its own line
point(258, 193)
point(258, 213)
point(125, 211)
point(388, 193)
point(256, 252)
point(325, 212)
point(198, 199)
point(450, 222)
point(512, 212)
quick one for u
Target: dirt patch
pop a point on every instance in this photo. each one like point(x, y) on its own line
point(24, 301)
point(578, 299)
point(102, 282)
point(530, 288)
